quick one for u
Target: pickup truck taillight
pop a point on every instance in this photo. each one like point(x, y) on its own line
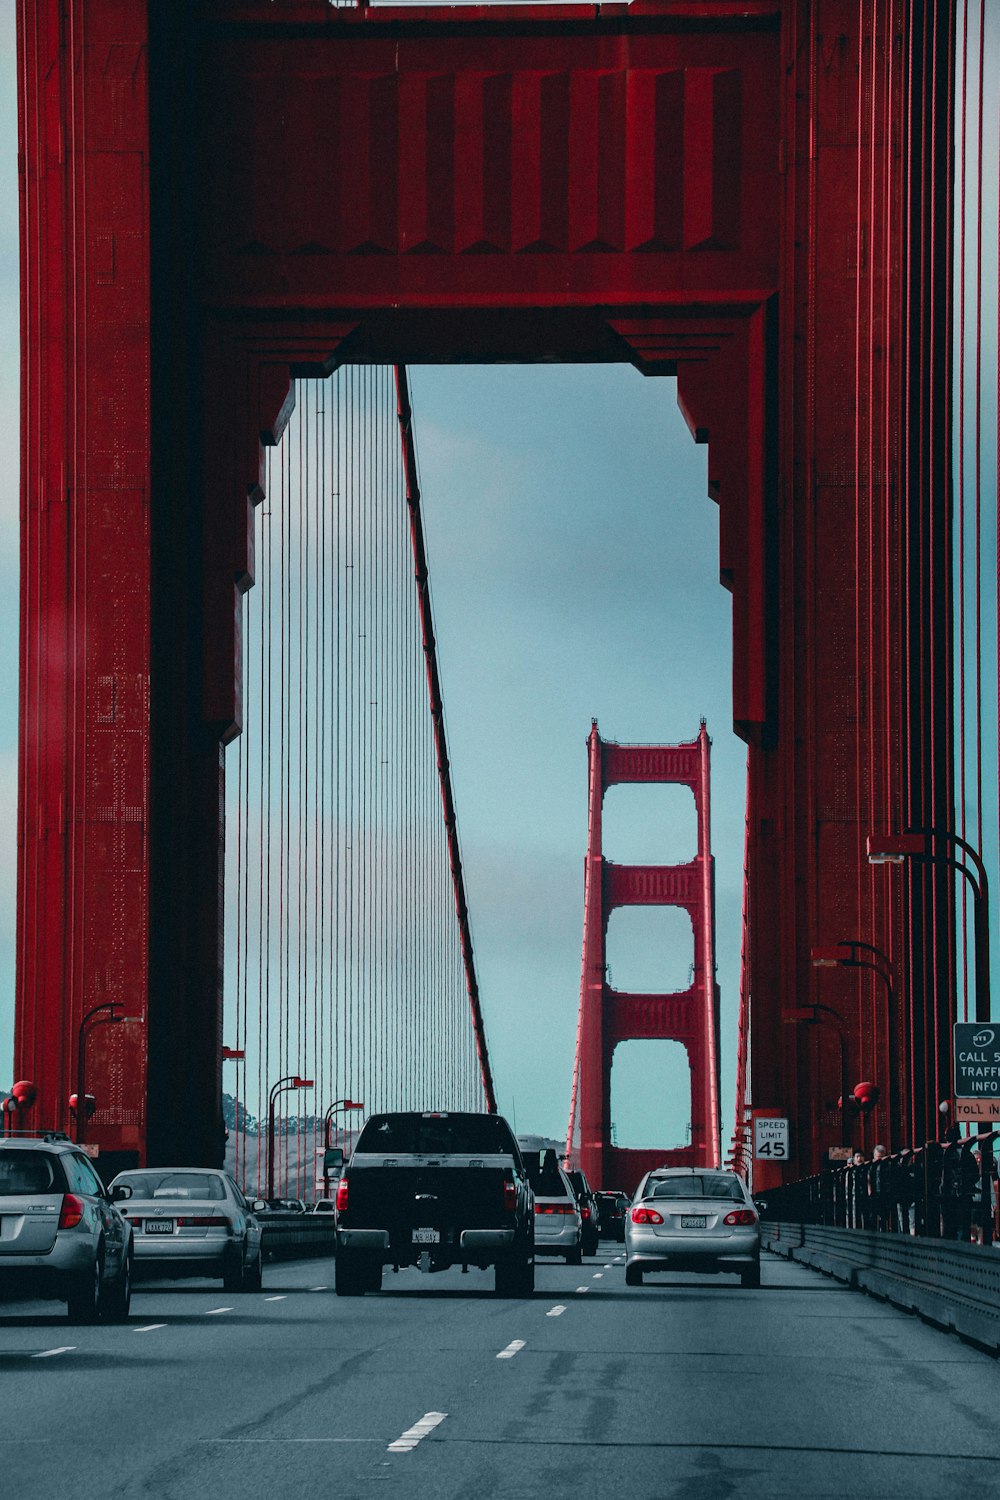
point(509, 1195)
point(584, 1212)
point(342, 1195)
point(72, 1211)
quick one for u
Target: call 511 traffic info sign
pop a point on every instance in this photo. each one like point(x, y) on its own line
point(977, 1071)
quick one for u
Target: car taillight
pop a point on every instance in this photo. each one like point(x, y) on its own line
point(341, 1195)
point(584, 1212)
point(72, 1211)
point(189, 1221)
point(741, 1216)
point(646, 1216)
point(554, 1208)
point(509, 1195)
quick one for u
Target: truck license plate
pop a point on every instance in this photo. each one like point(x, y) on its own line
point(426, 1237)
point(159, 1226)
point(693, 1221)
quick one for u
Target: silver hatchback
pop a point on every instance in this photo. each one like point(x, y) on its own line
point(60, 1233)
point(692, 1219)
point(192, 1221)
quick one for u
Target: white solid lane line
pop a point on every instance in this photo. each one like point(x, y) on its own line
point(213, 1310)
point(282, 1298)
point(554, 1312)
point(148, 1327)
point(415, 1434)
point(48, 1353)
point(511, 1349)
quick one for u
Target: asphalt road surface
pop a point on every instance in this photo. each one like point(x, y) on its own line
point(687, 1387)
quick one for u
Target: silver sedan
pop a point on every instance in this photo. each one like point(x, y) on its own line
point(192, 1221)
point(692, 1219)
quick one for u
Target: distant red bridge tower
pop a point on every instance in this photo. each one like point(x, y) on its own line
point(609, 1016)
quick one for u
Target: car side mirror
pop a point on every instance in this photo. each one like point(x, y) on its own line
point(258, 1205)
point(120, 1192)
point(760, 1204)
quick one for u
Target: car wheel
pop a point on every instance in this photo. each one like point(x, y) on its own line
point(575, 1257)
point(515, 1277)
point(234, 1276)
point(750, 1275)
point(633, 1276)
point(118, 1297)
point(85, 1293)
point(255, 1274)
point(354, 1275)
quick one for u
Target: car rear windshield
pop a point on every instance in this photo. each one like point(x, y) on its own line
point(181, 1185)
point(547, 1181)
point(698, 1185)
point(23, 1172)
point(436, 1135)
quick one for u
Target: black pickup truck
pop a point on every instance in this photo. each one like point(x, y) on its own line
point(435, 1189)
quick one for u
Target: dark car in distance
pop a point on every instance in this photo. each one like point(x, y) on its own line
point(613, 1206)
point(590, 1214)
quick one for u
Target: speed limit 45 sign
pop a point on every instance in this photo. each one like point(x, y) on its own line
point(770, 1138)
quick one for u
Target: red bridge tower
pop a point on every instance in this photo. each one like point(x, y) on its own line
point(609, 1016)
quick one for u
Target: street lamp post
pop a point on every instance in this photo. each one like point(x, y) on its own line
point(896, 849)
point(283, 1086)
point(811, 1014)
point(852, 953)
point(81, 1062)
point(336, 1107)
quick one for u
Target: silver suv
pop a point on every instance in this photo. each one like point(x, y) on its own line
point(60, 1234)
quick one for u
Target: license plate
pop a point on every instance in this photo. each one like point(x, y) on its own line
point(693, 1221)
point(159, 1226)
point(426, 1237)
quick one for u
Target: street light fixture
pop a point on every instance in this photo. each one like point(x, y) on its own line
point(283, 1086)
point(82, 1113)
point(816, 1015)
point(338, 1106)
point(853, 953)
point(896, 848)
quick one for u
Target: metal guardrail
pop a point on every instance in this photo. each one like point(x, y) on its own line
point(286, 1236)
point(952, 1285)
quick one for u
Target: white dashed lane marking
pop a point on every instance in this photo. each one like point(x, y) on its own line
point(275, 1299)
point(511, 1349)
point(598, 1276)
point(148, 1327)
point(48, 1353)
point(318, 1289)
point(554, 1312)
point(583, 1288)
point(415, 1434)
point(213, 1310)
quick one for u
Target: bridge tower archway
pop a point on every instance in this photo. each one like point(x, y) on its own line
point(218, 199)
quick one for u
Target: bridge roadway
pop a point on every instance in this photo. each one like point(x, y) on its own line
point(690, 1388)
